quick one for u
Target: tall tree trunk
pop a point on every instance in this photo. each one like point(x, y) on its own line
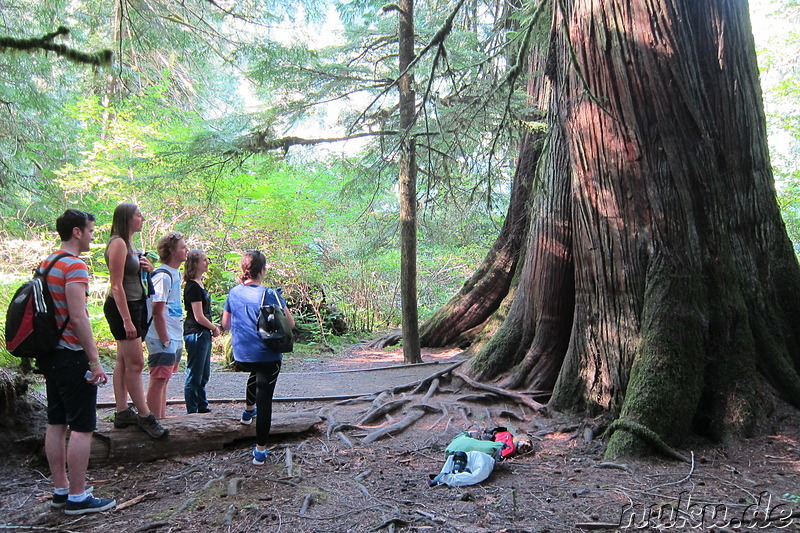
point(686, 288)
point(408, 189)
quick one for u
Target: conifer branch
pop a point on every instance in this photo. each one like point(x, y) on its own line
point(97, 59)
point(260, 143)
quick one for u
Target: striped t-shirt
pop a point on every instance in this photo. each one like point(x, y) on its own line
point(68, 269)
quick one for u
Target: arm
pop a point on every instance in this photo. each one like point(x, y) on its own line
point(76, 307)
point(200, 318)
point(226, 320)
point(289, 316)
point(117, 255)
point(160, 322)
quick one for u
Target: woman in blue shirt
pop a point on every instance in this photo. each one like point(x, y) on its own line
point(250, 354)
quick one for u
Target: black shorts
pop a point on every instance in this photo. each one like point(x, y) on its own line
point(71, 400)
point(138, 312)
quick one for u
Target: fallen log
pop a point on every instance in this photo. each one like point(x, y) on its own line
point(188, 434)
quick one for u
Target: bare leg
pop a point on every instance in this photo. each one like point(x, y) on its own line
point(120, 391)
point(55, 447)
point(157, 396)
point(131, 353)
point(80, 444)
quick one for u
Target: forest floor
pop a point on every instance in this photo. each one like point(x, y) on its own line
point(328, 480)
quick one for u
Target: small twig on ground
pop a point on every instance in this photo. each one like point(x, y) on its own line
point(151, 526)
point(227, 520)
point(615, 466)
point(344, 439)
point(139, 498)
point(686, 478)
point(306, 503)
point(288, 462)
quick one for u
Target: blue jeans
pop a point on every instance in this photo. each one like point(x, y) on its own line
point(198, 370)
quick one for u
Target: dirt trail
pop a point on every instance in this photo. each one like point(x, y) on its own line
point(358, 374)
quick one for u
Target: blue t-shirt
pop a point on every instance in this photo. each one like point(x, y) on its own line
point(243, 304)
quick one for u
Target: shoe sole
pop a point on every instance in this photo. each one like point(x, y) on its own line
point(246, 422)
point(106, 507)
point(157, 436)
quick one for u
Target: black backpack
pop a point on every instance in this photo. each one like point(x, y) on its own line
point(273, 327)
point(31, 328)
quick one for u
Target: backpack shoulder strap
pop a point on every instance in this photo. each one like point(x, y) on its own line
point(49, 267)
point(44, 274)
point(171, 279)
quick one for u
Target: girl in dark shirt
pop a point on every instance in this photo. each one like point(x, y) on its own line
point(197, 332)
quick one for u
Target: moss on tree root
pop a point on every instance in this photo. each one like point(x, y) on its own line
point(666, 377)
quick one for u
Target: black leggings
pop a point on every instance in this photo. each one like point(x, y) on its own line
point(259, 392)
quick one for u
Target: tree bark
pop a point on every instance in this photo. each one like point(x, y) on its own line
point(686, 286)
point(408, 189)
point(189, 434)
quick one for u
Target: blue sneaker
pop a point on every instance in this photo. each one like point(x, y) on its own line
point(60, 500)
point(259, 457)
point(90, 505)
point(248, 416)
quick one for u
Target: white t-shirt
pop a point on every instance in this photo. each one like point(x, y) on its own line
point(167, 289)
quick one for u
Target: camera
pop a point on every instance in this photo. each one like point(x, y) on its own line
point(459, 462)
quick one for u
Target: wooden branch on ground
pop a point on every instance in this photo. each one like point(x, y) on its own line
point(536, 406)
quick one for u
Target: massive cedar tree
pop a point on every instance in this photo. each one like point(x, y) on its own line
point(659, 284)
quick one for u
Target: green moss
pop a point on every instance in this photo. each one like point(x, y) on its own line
point(666, 377)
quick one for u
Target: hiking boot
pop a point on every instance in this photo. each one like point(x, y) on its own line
point(90, 505)
point(248, 416)
point(152, 427)
point(123, 419)
point(60, 500)
point(259, 457)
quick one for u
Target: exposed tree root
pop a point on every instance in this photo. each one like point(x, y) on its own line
point(649, 436)
point(433, 394)
point(533, 404)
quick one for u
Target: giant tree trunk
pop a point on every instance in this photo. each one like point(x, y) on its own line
point(686, 288)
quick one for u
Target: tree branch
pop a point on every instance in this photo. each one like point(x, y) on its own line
point(259, 143)
point(101, 58)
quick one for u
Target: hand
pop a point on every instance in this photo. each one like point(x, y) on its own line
point(145, 264)
point(216, 332)
point(98, 376)
point(130, 329)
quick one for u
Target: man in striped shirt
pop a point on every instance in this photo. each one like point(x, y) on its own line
point(73, 371)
